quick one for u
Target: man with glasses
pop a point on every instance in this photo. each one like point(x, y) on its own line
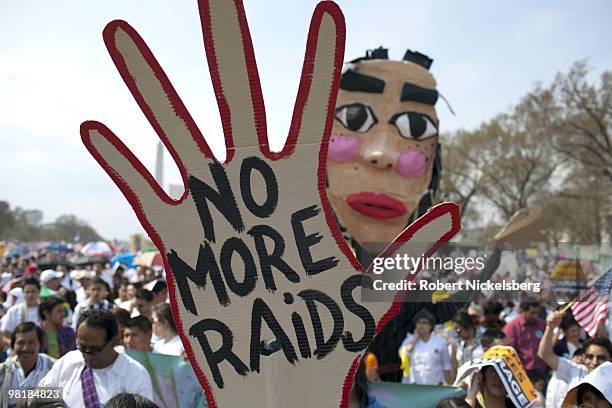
point(597, 352)
point(95, 372)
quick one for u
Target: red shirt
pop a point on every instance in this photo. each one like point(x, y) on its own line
point(525, 338)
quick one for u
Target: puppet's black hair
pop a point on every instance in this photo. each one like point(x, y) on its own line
point(383, 53)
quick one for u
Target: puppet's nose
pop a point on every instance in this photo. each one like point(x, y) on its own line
point(378, 152)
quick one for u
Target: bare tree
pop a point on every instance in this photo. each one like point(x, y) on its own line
point(583, 124)
point(553, 148)
point(508, 162)
point(462, 174)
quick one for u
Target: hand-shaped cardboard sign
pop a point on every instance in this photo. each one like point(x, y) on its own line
point(384, 144)
point(251, 248)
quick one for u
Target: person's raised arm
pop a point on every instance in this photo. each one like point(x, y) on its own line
point(5, 339)
point(410, 345)
point(5, 332)
point(454, 362)
point(447, 365)
point(448, 378)
point(545, 350)
point(471, 397)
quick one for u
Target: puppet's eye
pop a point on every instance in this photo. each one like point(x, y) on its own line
point(413, 125)
point(356, 117)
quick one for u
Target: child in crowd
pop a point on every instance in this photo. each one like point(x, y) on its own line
point(164, 328)
point(95, 299)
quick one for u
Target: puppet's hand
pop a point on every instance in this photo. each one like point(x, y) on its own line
point(251, 248)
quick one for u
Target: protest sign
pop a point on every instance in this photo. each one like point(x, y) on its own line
point(253, 255)
point(508, 367)
point(398, 395)
point(174, 383)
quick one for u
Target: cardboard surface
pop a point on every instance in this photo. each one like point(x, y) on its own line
point(252, 251)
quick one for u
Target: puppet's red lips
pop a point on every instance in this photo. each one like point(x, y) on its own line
point(374, 205)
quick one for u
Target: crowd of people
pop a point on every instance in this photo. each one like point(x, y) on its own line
point(67, 328)
point(566, 366)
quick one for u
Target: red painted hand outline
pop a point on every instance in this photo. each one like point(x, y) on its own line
point(181, 228)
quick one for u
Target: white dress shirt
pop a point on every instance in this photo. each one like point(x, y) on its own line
point(570, 372)
point(173, 347)
point(14, 316)
point(555, 392)
point(81, 296)
point(428, 361)
point(124, 375)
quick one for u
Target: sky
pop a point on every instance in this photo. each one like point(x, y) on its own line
point(55, 73)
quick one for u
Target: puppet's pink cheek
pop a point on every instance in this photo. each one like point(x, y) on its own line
point(411, 163)
point(342, 148)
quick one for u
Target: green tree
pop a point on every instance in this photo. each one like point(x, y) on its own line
point(66, 227)
point(6, 217)
point(27, 225)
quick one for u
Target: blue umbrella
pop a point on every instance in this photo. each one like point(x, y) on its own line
point(125, 258)
point(56, 246)
point(16, 251)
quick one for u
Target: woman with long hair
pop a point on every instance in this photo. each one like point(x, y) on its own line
point(165, 329)
point(359, 396)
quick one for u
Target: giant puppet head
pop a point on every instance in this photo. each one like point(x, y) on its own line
point(384, 144)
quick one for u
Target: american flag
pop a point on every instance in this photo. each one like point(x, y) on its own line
point(591, 307)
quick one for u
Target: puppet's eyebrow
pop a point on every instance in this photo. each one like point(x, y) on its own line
point(412, 92)
point(356, 82)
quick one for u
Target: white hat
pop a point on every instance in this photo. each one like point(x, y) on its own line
point(15, 296)
point(150, 285)
point(49, 274)
point(18, 291)
point(6, 277)
point(79, 274)
point(598, 378)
